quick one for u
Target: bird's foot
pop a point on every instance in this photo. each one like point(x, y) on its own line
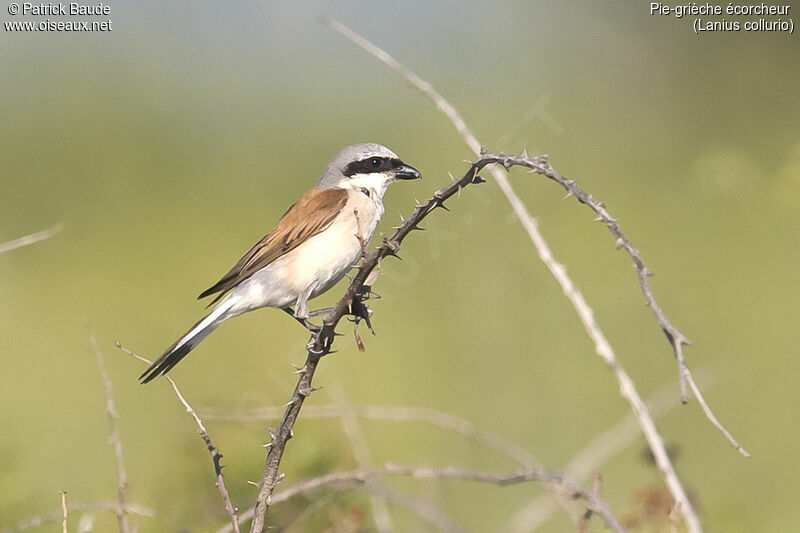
point(320, 312)
point(313, 328)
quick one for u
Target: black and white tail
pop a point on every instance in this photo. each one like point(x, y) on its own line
point(186, 344)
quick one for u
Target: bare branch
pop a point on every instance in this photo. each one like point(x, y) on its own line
point(322, 339)
point(116, 442)
point(31, 239)
point(55, 516)
point(216, 457)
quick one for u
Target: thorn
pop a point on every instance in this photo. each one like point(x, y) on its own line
point(484, 150)
point(443, 207)
point(252, 483)
point(478, 179)
point(452, 178)
point(458, 194)
point(417, 228)
point(569, 193)
point(300, 370)
point(525, 153)
point(598, 218)
point(373, 276)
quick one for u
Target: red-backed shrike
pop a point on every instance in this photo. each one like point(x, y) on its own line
point(312, 247)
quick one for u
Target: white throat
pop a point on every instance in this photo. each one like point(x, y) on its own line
point(374, 185)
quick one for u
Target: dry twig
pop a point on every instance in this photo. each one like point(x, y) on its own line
point(31, 239)
point(116, 442)
point(216, 457)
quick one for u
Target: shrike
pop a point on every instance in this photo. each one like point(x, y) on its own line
point(312, 247)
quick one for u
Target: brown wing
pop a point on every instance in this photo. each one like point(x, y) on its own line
point(310, 215)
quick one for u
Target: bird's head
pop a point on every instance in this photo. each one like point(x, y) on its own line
point(366, 165)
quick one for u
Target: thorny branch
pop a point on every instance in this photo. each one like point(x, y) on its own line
point(585, 313)
point(320, 344)
point(116, 442)
point(216, 457)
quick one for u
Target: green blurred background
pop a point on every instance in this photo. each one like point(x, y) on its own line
point(169, 145)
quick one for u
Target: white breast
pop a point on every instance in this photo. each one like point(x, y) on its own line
point(317, 264)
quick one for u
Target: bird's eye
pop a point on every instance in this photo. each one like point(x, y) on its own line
point(375, 162)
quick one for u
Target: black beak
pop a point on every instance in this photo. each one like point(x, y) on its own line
point(406, 172)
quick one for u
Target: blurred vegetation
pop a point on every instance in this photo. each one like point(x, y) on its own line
point(170, 145)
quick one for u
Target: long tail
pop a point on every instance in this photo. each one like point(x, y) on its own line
point(186, 344)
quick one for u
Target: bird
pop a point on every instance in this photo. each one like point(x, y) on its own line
point(313, 245)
